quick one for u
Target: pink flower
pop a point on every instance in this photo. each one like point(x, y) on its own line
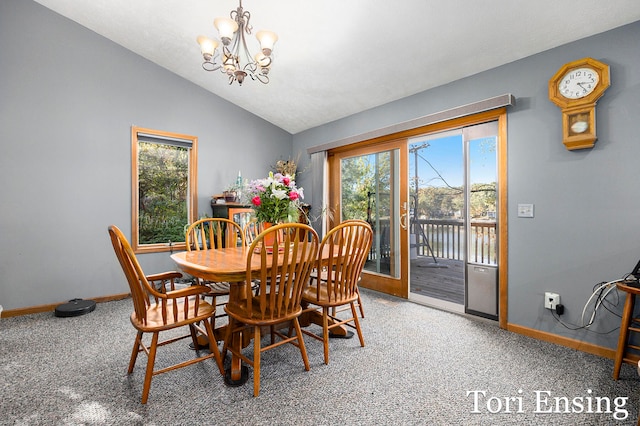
point(286, 181)
point(256, 201)
point(293, 195)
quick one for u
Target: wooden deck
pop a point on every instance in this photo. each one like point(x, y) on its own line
point(443, 280)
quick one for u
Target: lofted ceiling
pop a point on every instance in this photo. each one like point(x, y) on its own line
point(335, 58)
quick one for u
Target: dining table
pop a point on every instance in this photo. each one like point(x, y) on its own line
point(229, 264)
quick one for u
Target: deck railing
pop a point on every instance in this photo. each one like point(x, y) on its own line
point(446, 240)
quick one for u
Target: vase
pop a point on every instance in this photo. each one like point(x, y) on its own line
point(230, 196)
point(269, 239)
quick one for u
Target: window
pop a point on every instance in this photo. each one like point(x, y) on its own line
point(163, 189)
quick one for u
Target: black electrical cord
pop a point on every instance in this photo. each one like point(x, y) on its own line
point(599, 289)
point(574, 327)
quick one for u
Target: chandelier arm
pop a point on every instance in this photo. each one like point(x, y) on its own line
point(251, 64)
point(246, 16)
point(267, 62)
point(236, 15)
point(262, 78)
point(210, 66)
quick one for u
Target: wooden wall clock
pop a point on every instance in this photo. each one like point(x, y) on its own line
point(575, 88)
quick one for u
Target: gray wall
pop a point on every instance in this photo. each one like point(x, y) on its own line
point(586, 208)
point(68, 98)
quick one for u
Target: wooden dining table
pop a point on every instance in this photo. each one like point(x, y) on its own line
point(230, 265)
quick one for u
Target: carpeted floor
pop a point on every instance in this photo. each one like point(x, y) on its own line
point(420, 367)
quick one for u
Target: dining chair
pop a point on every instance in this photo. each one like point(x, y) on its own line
point(284, 270)
point(159, 306)
point(359, 301)
point(334, 310)
point(251, 230)
point(348, 246)
point(210, 234)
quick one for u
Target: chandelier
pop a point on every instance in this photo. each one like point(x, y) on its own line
point(235, 59)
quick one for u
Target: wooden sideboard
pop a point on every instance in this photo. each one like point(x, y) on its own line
point(238, 212)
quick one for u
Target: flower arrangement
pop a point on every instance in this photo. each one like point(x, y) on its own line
point(276, 198)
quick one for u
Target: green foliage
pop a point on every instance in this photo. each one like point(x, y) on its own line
point(437, 202)
point(163, 181)
point(440, 202)
point(482, 200)
point(161, 228)
point(361, 191)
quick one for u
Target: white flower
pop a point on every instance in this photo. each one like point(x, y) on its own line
point(280, 194)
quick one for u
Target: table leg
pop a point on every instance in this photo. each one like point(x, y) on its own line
point(237, 374)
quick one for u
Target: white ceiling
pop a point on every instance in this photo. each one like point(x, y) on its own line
point(335, 58)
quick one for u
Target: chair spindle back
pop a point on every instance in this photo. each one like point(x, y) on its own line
point(213, 233)
point(287, 263)
point(348, 246)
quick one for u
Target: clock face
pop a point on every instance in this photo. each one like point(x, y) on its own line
point(578, 83)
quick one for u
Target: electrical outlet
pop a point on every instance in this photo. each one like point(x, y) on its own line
point(551, 300)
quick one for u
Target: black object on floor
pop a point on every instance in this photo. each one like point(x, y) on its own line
point(244, 376)
point(348, 335)
point(75, 307)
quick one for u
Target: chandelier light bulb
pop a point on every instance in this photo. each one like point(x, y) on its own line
point(207, 47)
point(267, 39)
point(226, 28)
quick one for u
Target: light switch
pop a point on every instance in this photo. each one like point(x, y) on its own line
point(525, 210)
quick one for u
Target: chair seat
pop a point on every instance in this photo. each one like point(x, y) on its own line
point(310, 294)
point(324, 276)
point(155, 322)
point(256, 317)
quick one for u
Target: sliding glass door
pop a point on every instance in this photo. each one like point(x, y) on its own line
point(435, 197)
point(437, 192)
point(369, 188)
point(453, 236)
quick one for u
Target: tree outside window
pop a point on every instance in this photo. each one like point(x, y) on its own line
point(163, 189)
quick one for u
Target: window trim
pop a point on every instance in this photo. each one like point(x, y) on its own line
point(192, 191)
